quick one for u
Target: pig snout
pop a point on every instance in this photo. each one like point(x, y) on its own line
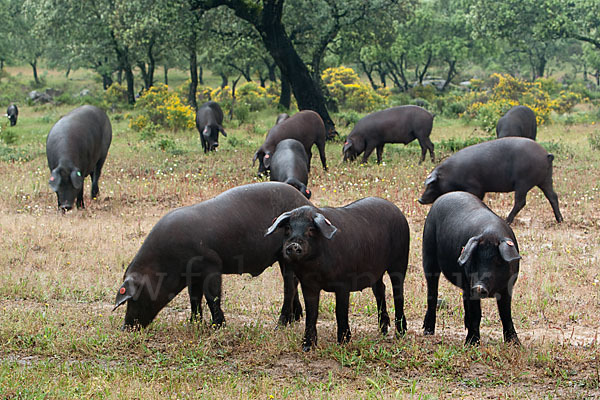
point(293, 251)
point(479, 291)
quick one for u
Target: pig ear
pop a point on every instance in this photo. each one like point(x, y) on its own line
point(206, 131)
point(468, 250)
point(222, 131)
point(255, 158)
point(126, 292)
point(326, 228)
point(54, 180)
point(432, 177)
point(508, 251)
point(282, 219)
point(76, 179)
point(267, 160)
point(347, 145)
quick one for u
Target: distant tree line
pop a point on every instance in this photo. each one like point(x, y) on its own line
point(392, 42)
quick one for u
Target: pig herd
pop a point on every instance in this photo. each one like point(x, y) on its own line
point(333, 249)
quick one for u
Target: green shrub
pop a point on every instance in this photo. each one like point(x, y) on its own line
point(8, 136)
point(115, 95)
point(594, 140)
point(454, 144)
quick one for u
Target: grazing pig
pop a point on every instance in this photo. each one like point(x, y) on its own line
point(289, 164)
point(76, 147)
point(12, 112)
point(281, 117)
point(395, 125)
point(305, 126)
point(518, 121)
point(501, 165)
point(476, 251)
point(343, 250)
point(193, 246)
point(209, 120)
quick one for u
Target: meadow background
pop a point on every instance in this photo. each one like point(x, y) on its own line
point(59, 274)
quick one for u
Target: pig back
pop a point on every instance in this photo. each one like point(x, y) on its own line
point(229, 228)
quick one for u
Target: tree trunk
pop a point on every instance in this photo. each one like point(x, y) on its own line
point(233, 85)
point(369, 72)
point(421, 76)
point(200, 75)
point(106, 80)
point(130, 83)
point(194, 79)
point(267, 21)
point(451, 73)
point(224, 81)
point(166, 72)
point(35, 73)
point(120, 76)
point(285, 97)
point(142, 67)
point(151, 65)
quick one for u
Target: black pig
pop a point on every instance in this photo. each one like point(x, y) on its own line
point(476, 251)
point(289, 164)
point(76, 147)
point(193, 246)
point(518, 121)
point(12, 112)
point(501, 165)
point(401, 124)
point(209, 120)
point(305, 126)
point(343, 250)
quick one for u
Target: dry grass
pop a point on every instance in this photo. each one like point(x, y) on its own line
point(60, 274)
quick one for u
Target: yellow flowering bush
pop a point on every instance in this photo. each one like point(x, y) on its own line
point(254, 96)
point(348, 91)
point(162, 108)
point(508, 91)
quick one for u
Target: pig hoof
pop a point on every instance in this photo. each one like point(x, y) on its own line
point(428, 332)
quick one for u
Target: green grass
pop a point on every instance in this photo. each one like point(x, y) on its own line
point(60, 274)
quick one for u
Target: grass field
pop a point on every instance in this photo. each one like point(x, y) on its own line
point(59, 275)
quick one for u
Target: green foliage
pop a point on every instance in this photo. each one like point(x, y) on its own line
point(116, 95)
point(254, 96)
point(594, 140)
point(8, 136)
point(455, 144)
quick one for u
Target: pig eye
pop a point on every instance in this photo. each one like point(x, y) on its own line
point(311, 232)
point(287, 230)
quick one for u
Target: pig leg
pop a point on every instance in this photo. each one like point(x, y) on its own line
point(510, 335)
point(292, 309)
point(379, 153)
point(96, 178)
point(397, 278)
point(552, 198)
point(426, 144)
point(212, 292)
point(321, 147)
point(342, 301)
point(195, 290)
point(309, 155)
point(472, 318)
point(368, 150)
point(79, 200)
point(432, 275)
point(382, 315)
point(311, 302)
point(520, 201)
